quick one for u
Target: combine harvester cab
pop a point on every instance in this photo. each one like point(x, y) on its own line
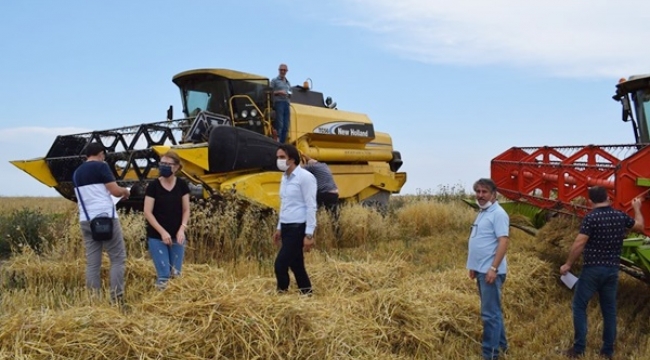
point(227, 145)
point(557, 178)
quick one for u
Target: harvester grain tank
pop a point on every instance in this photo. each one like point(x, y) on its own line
point(227, 146)
point(557, 178)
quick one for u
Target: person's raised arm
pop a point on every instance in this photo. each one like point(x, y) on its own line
point(639, 223)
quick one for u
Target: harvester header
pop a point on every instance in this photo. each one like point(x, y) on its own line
point(557, 178)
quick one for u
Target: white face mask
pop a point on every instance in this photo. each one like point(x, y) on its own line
point(282, 164)
point(483, 207)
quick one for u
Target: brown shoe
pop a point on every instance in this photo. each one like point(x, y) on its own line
point(572, 354)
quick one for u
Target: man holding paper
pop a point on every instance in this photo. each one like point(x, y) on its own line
point(600, 240)
point(94, 184)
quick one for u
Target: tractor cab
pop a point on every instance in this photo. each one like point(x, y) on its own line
point(213, 97)
point(634, 93)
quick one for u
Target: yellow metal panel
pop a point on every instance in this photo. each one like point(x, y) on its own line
point(366, 193)
point(38, 169)
point(351, 184)
point(401, 177)
point(305, 118)
point(226, 73)
point(191, 156)
point(347, 154)
point(260, 187)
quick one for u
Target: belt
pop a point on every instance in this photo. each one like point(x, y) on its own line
point(292, 225)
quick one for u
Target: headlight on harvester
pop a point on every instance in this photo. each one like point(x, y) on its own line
point(244, 114)
point(253, 113)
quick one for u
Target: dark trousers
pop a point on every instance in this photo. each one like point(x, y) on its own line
point(330, 201)
point(291, 257)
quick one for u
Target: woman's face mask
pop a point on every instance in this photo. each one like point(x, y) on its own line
point(282, 164)
point(165, 170)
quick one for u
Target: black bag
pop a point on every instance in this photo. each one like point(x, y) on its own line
point(101, 226)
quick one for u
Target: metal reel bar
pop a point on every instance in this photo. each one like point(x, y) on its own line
point(128, 152)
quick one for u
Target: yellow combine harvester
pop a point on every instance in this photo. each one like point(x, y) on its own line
point(226, 144)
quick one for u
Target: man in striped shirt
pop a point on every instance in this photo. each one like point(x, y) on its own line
point(327, 194)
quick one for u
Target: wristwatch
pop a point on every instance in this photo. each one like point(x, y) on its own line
point(493, 268)
point(309, 236)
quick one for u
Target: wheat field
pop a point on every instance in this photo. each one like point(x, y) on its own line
point(394, 286)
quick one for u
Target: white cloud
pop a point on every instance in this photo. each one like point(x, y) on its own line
point(597, 38)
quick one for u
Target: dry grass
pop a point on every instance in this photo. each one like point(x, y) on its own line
point(47, 204)
point(391, 288)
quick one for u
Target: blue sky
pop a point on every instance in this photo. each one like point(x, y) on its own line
point(454, 83)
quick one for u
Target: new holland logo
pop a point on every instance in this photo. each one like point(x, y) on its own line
point(346, 129)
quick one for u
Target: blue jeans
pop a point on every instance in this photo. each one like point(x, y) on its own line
point(494, 331)
point(604, 280)
point(167, 259)
point(282, 113)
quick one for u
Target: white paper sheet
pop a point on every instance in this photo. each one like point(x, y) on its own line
point(569, 280)
point(117, 199)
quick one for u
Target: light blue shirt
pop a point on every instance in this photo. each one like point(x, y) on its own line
point(281, 84)
point(298, 199)
point(490, 224)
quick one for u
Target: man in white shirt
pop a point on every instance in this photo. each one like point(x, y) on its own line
point(297, 219)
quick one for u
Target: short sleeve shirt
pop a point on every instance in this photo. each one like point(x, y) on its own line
point(490, 224)
point(167, 206)
point(606, 228)
point(323, 176)
point(90, 181)
point(280, 84)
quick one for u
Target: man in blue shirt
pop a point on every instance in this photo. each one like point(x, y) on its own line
point(297, 219)
point(486, 262)
point(281, 95)
point(600, 240)
point(94, 184)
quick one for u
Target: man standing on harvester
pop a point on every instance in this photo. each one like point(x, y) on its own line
point(281, 94)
